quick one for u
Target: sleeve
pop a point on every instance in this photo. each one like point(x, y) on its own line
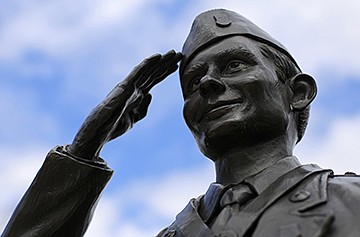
point(61, 199)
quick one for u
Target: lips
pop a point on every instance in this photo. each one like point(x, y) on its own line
point(219, 108)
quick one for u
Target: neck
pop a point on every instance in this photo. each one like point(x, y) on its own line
point(237, 164)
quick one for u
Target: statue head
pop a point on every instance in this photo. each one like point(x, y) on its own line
point(239, 81)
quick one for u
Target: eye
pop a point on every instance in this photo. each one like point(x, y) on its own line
point(194, 84)
point(235, 66)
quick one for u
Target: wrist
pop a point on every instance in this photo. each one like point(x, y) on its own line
point(82, 156)
point(99, 162)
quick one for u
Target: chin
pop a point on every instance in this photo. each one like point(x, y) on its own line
point(220, 137)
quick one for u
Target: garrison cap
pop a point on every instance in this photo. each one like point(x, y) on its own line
point(214, 25)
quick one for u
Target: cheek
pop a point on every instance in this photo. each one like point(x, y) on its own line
point(189, 113)
point(265, 90)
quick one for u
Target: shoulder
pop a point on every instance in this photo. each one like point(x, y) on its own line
point(346, 185)
point(349, 179)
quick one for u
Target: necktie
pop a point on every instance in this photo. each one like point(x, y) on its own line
point(232, 201)
point(239, 194)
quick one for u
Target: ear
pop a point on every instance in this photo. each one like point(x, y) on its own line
point(304, 91)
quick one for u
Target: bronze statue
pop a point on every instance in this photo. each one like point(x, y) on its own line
point(247, 103)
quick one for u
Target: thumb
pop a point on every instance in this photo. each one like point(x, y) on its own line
point(141, 111)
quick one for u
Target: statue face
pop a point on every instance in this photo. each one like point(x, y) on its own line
point(233, 97)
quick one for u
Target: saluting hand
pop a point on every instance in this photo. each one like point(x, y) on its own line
point(126, 104)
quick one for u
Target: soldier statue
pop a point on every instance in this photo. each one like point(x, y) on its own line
point(246, 102)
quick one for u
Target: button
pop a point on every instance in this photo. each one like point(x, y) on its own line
point(170, 233)
point(300, 196)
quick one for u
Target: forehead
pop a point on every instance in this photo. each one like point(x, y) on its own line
point(238, 44)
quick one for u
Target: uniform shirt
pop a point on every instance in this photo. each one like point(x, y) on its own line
point(218, 217)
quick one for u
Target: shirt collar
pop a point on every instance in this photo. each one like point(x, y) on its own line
point(263, 179)
point(259, 182)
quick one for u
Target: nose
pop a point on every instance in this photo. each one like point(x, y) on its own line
point(210, 86)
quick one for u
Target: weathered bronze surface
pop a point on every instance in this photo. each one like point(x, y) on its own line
point(246, 103)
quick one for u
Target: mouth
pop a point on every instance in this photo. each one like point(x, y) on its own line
point(220, 108)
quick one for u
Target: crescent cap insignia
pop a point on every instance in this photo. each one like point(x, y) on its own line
point(222, 21)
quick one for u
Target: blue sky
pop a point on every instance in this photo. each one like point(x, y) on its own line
point(58, 59)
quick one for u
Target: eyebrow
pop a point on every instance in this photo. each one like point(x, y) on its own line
point(237, 51)
point(194, 68)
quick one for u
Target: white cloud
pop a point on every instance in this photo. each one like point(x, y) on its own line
point(59, 27)
point(18, 169)
point(160, 200)
point(311, 27)
point(22, 117)
point(337, 149)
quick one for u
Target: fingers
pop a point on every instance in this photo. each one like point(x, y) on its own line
point(159, 71)
point(165, 69)
point(144, 65)
point(155, 79)
point(141, 70)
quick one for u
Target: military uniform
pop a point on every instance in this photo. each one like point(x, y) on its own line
point(303, 201)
